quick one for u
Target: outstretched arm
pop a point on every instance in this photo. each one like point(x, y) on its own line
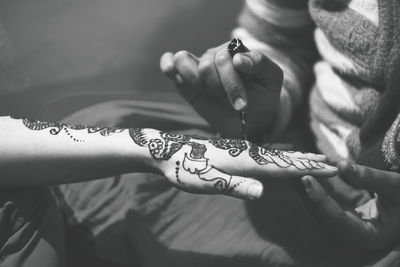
point(42, 153)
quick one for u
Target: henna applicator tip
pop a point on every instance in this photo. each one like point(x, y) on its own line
point(234, 47)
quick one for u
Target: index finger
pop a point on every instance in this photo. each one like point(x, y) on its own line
point(231, 80)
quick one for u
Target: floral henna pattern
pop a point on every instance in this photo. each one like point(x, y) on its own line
point(234, 146)
point(195, 162)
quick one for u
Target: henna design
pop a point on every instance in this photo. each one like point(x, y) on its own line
point(264, 156)
point(175, 137)
point(104, 131)
point(234, 146)
point(208, 173)
point(198, 150)
point(39, 125)
point(196, 163)
point(72, 137)
point(162, 149)
point(177, 173)
point(56, 128)
point(165, 147)
point(138, 137)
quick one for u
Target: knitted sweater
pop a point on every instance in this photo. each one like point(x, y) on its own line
point(343, 56)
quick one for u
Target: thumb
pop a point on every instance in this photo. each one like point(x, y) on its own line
point(382, 182)
point(258, 66)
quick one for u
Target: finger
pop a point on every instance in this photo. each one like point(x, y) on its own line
point(340, 223)
point(259, 66)
point(186, 67)
point(310, 156)
point(245, 188)
point(168, 69)
point(230, 80)
point(214, 181)
point(382, 182)
point(343, 193)
point(167, 64)
point(209, 74)
point(282, 164)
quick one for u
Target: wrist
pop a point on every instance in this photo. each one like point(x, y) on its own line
point(138, 153)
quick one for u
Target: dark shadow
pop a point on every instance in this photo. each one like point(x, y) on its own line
point(194, 30)
point(333, 5)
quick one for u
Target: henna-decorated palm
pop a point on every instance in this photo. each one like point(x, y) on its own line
point(222, 166)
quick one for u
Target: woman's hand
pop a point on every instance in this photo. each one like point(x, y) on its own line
point(218, 86)
point(371, 226)
point(222, 166)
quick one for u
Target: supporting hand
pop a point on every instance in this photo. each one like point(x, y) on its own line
point(371, 226)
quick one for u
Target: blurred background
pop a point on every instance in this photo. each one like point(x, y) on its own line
point(71, 53)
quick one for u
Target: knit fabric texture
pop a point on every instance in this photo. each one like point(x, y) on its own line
point(342, 56)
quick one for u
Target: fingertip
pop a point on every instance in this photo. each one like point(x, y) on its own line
point(245, 188)
point(313, 188)
point(167, 64)
point(255, 191)
point(180, 56)
point(239, 103)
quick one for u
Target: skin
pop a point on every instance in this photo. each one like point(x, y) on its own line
point(215, 82)
point(365, 230)
point(36, 153)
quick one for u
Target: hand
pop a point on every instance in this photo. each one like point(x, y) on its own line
point(221, 166)
point(368, 227)
point(218, 86)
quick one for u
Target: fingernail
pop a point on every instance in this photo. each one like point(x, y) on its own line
point(239, 103)
point(255, 191)
point(307, 183)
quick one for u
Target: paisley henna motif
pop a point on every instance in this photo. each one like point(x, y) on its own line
point(36, 125)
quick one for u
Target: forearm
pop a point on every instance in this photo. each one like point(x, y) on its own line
point(40, 153)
